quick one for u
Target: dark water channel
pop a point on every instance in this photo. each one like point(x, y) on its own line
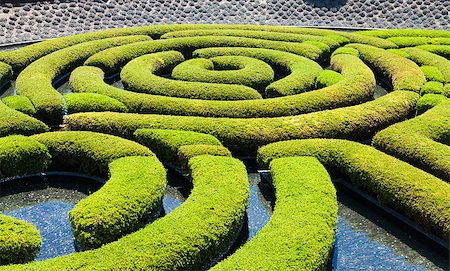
point(365, 238)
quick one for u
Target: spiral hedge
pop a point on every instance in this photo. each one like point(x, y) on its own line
point(194, 97)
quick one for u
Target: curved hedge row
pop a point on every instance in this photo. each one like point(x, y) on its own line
point(442, 50)
point(422, 141)
point(130, 197)
point(20, 103)
point(19, 241)
point(15, 122)
point(300, 233)
point(428, 101)
point(188, 238)
point(403, 73)
point(387, 33)
point(357, 86)
point(243, 136)
point(418, 195)
point(139, 75)
point(423, 57)
point(35, 81)
point(6, 73)
point(92, 102)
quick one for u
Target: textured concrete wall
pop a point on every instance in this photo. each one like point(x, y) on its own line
point(28, 20)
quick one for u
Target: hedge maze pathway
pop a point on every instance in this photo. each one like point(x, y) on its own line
point(301, 100)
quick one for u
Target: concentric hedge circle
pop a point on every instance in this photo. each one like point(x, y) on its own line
point(192, 94)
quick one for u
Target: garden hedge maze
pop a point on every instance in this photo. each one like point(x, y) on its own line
point(300, 100)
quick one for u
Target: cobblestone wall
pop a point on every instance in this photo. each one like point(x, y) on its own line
point(29, 20)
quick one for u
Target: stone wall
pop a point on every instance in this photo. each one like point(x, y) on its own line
point(30, 20)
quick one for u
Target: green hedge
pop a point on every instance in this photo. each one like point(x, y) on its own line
point(432, 87)
point(92, 102)
point(423, 57)
point(300, 233)
point(20, 103)
point(139, 75)
point(165, 143)
point(19, 241)
point(387, 33)
point(347, 51)
point(35, 81)
point(243, 136)
point(239, 70)
point(442, 50)
point(415, 41)
point(432, 73)
point(186, 152)
point(6, 73)
point(328, 78)
point(301, 72)
point(133, 193)
point(428, 101)
point(357, 86)
point(403, 73)
point(127, 202)
point(418, 195)
point(422, 141)
point(21, 155)
point(15, 122)
point(188, 238)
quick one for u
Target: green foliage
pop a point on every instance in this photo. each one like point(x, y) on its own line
point(127, 202)
point(415, 41)
point(442, 50)
point(21, 155)
point(432, 73)
point(92, 102)
point(238, 70)
point(15, 122)
point(432, 87)
point(328, 78)
point(346, 51)
point(139, 75)
point(422, 141)
point(301, 72)
point(6, 72)
point(35, 81)
point(423, 57)
point(418, 195)
point(20, 103)
point(403, 73)
point(357, 86)
point(165, 143)
point(428, 101)
point(186, 152)
point(446, 91)
point(88, 152)
point(300, 233)
point(387, 33)
point(19, 241)
point(243, 136)
point(188, 238)
point(398, 52)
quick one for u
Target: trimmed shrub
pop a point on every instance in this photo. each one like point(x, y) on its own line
point(243, 136)
point(239, 70)
point(432, 87)
point(345, 51)
point(415, 41)
point(398, 52)
point(204, 225)
point(127, 202)
point(186, 152)
point(19, 241)
point(165, 143)
point(422, 141)
point(301, 72)
point(35, 81)
point(20, 103)
point(139, 75)
point(15, 122)
point(418, 195)
point(446, 91)
point(300, 233)
point(387, 33)
point(328, 78)
point(357, 86)
point(92, 102)
point(428, 101)
point(432, 73)
point(442, 50)
point(6, 73)
point(21, 155)
point(88, 152)
point(403, 73)
point(423, 57)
